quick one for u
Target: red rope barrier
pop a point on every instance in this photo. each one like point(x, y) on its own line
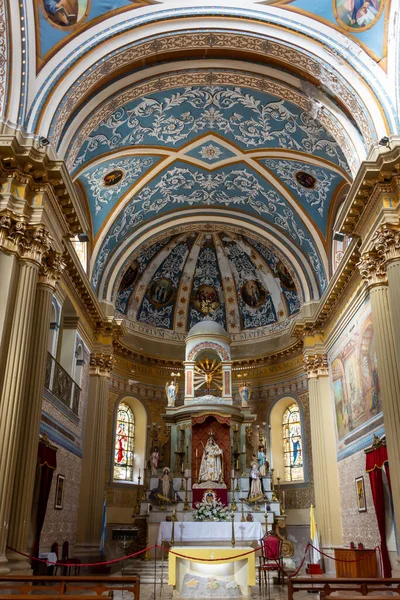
point(342, 559)
point(171, 551)
point(95, 564)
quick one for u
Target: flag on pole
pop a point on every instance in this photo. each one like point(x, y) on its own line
point(103, 528)
point(314, 537)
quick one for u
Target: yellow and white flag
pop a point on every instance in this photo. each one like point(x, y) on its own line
point(314, 537)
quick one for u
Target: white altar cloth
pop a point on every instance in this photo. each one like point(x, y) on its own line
point(210, 531)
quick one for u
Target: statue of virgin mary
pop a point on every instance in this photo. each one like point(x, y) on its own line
point(211, 463)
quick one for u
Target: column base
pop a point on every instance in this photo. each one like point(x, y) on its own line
point(4, 568)
point(328, 564)
point(19, 565)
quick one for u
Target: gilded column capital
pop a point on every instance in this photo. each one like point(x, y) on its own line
point(12, 232)
point(28, 242)
point(101, 364)
point(316, 365)
point(372, 269)
point(35, 244)
point(51, 268)
point(387, 242)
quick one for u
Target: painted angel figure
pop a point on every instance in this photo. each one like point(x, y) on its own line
point(172, 391)
point(245, 393)
point(363, 12)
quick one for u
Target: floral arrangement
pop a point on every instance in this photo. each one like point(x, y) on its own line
point(210, 511)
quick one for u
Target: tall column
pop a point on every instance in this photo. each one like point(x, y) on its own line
point(323, 443)
point(91, 497)
point(32, 246)
point(373, 270)
point(49, 273)
point(387, 244)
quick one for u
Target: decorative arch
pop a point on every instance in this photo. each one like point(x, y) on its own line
point(137, 448)
point(222, 353)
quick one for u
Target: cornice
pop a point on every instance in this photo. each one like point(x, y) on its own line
point(22, 158)
point(379, 173)
point(333, 295)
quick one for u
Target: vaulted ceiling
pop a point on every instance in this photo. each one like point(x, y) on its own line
point(211, 146)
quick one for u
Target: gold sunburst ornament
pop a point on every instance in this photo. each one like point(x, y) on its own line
point(208, 371)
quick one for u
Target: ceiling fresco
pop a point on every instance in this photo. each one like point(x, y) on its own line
point(239, 282)
point(58, 21)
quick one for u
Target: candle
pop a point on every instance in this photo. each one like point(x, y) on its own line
point(233, 473)
point(148, 509)
point(244, 448)
point(139, 473)
point(196, 452)
point(182, 467)
point(277, 473)
point(265, 509)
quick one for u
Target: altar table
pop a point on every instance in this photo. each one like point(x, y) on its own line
point(235, 565)
point(210, 531)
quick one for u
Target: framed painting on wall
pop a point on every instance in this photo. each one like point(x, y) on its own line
point(361, 500)
point(59, 499)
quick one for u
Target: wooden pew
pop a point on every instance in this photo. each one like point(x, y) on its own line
point(26, 587)
point(328, 585)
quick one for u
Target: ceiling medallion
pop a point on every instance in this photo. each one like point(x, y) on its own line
point(113, 177)
point(305, 179)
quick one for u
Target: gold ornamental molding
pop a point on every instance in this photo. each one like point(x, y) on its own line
point(338, 285)
point(101, 364)
point(379, 174)
point(28, 242)
point(316, 365)
point(51, 269)
point(372, 269)
point(387, 242)
point(28, 168)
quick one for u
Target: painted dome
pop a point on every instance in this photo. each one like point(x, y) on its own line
point(236, 281)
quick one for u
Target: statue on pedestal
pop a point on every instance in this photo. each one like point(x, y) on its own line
point(172, 391)
point(262, 461)
point(211, 463)
point(154, 460)
point(245, 393)
point(164, 492)
point(256, 488)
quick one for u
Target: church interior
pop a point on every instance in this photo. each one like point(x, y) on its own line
point(199, 271)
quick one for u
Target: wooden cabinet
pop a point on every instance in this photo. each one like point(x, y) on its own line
point(359, 567)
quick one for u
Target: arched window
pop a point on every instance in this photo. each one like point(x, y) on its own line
point(124, 443)
point(292, 444)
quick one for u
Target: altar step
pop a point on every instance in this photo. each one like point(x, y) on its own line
point(146, 571)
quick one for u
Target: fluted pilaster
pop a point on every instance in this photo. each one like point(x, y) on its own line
point(94, 453)
point(49, 273)
point(12, 393)
point(373, 270)
point(323, 443)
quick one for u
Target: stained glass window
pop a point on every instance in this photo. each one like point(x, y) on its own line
point(124, 444)
point(292, 444)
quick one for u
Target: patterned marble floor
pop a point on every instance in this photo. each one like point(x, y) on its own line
point(277, 592)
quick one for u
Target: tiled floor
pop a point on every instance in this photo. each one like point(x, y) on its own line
point(278, 592)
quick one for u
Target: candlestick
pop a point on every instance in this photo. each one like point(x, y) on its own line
point(242, 519)
point(186, 504)
point(233, 504)
point(233, 530)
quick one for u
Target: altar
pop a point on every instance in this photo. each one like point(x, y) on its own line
point(196, 572)
point(209, 532)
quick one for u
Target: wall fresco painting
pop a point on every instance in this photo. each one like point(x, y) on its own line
point(65, 13)
point(354, 373)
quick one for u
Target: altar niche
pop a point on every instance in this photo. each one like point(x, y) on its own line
point(216, 427)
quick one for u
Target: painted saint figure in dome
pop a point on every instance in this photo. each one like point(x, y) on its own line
point(211, 462)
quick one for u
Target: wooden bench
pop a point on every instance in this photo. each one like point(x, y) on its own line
point(21, 587)
point(328, 585)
